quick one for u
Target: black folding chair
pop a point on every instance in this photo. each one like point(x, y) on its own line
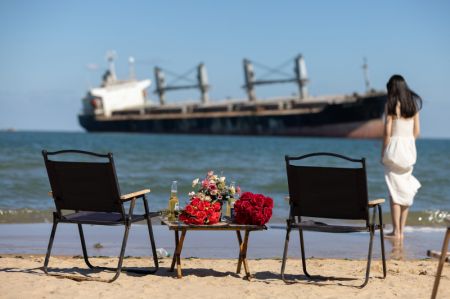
point(330, 193)
point(91, 191)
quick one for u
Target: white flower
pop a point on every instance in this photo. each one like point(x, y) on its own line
point(207, 198)
point(222, 179)
point(191, 194)
point(214, 177)
point(195, 182)
point(232, 191)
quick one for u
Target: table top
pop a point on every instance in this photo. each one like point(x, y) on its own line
point(223, 225)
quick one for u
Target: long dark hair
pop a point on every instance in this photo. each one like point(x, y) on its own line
point(399, 92)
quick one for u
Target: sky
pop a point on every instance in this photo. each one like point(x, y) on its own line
point(47, 46)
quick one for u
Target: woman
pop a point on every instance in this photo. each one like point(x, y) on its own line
point(399, 150)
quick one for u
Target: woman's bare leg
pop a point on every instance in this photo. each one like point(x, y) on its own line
point(403, 218)
point(395, 215)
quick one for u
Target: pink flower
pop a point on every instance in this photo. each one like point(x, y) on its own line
point(205, 183)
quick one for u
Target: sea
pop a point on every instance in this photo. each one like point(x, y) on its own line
point(256, 164)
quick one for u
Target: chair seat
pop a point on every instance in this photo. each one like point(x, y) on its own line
point(101, 218)
point(323, 227)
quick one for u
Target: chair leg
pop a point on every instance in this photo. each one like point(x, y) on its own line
point(152, 241)
point(369, 257)
point(122, 252)
point(302, 249)
point(383, 256)
point(83, 247)
point(441, 264)
point(50, 245)
point(286, 245)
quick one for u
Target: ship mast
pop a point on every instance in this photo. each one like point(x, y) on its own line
point(249, 76)
point(365, 68)
point(301, 77)
point(131, 68)
point(110, 56)
point(201, 83)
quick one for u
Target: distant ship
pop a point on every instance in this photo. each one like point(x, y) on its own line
point(123, 106)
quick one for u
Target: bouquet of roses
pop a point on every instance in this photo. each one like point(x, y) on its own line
point(200, 211)
point(253, 209)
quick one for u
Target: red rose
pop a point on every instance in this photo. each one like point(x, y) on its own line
point(268, 202)
point(201, 206)
point(214, 218)
point(258, 200)
point(245, 205)
point(246, 196)
point(189, 209)
point(217, 206)
point(201, 215)
point(267, 213)
point(238, 204)
point(258, 218)
point(207, 204)
point(195, 201)
point(183, 217)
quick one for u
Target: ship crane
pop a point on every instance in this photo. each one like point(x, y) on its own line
point(301, 77)
point(201, 83)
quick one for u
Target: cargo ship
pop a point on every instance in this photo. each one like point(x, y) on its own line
point(124, 106)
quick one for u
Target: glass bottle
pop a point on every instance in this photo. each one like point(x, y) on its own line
point(230, 201)
point(173, 202)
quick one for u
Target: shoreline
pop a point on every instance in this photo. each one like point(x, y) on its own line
point(32, 239)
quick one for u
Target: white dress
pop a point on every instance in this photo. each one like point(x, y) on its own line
point(399, 158)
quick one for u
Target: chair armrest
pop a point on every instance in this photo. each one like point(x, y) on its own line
point(375, 202)
point(134, 194)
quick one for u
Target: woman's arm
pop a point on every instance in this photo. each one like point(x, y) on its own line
point(416, 131)
point(386, 133)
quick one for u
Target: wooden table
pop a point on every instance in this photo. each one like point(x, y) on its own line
point(177, 226)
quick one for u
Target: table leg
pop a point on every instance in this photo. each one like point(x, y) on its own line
point(243, 253)
point(178, 253)
point(238, 233)
point(441, 263)
point(174, 257)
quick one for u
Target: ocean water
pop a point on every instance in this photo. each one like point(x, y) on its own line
point(256, 164)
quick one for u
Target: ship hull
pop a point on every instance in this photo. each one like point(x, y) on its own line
point(361, 118)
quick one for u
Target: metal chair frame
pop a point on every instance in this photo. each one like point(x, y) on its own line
point(125, 219)
point(295, 222)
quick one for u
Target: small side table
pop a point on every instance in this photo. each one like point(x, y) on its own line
point(177, 226)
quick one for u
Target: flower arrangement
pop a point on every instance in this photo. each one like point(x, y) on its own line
point(213, 188)
point(253, 209)
point(200, 211)
point(205, 203)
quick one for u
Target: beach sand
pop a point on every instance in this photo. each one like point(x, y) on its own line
point(22, 277)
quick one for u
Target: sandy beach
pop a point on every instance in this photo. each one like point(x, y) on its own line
point(22, 277)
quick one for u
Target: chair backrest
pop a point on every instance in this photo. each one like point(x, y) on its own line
point(328, 192)
point(84, 186)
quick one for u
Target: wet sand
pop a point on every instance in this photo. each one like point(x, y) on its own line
point(106, 241)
